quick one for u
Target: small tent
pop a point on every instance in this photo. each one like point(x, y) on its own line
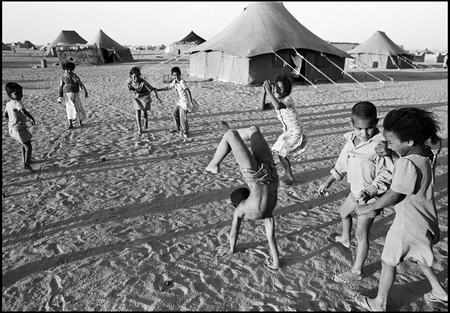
point(379, 51)
point(65, 38)
point(5, 46)
point(181, 46)
point(259, 44)
point(111, 51)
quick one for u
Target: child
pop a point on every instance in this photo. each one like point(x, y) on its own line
point(369, 176)
point(183, 105)
point(415, 228)
point(69, 91)
point(16, 114)
point(141, 90)
point(292, 141)
point(260, 174)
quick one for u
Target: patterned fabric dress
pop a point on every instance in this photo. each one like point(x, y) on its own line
point(292, 142)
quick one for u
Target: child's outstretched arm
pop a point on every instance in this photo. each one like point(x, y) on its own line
point(263, 104)
point(323, 188)
point(269, 224)
point(234, 232)
point(389, 198)
point(27, 114)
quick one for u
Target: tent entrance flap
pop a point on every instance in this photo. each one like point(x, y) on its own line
point(108, 55)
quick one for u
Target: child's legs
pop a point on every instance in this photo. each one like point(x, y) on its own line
point(436, 287)
point(138, 119)
point(387, 279)
point(345, 211)
point(27, 150)
point(176, 116)
point(362, 235)
point(146, 118)
point(286, 165)
point(184, 127)
point(232, 141)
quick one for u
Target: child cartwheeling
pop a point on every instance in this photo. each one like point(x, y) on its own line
point(16, 114)
point(292, 141)
point(415, 228)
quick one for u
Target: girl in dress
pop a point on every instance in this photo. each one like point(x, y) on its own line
point(292, 141)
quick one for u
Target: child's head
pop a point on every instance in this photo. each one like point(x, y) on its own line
point(136, 71)
point(406, 127)
point(14, 91)
point(67, 65)
point(364, 120)
point(282, 86)
point(176, 70)
point(238, 195)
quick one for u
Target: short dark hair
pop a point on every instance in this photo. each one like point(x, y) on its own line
point(287, 83)
point(175, 69)
point(135, 70)
point(238, 195)
point(11, 87)
point(364, 110)
point(67, 65)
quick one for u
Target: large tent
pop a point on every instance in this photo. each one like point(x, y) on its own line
point(111, 51)
point(5, 47)
point(189, 41)
point(263, 42)
point(379, 51)
point(65, 38)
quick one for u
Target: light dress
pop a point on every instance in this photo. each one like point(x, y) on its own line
point(415, 228)
point(292, 142)
point(17, 121)
point(71, 93)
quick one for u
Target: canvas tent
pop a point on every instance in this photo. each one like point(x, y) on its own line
point(5, 46)
point(181, 46)
point(379, 51)
point(65, 38)
point(110, 50)
point(259, 43)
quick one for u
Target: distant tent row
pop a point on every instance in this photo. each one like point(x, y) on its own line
point(263, 42)
point(379, 51)
point(109, 51)
point(5, 46)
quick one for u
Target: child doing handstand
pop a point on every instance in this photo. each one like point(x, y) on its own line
point(260, 174)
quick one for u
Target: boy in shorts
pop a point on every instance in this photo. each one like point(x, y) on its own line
point(16, 114)
point(369, 175)
point(260, 174)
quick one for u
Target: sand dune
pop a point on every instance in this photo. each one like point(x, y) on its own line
point(116, 222)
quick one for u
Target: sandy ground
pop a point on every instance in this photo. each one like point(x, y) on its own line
point(116, 222)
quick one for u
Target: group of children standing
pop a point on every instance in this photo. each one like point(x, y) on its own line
point(393, 168)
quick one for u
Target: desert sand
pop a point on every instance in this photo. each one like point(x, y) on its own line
point(114, 221)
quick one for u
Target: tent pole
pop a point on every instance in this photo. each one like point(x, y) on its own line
point(343, 71)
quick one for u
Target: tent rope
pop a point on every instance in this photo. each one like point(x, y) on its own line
point(296, 71)
point(407, 61)
point(367, 66)
point(343, 71)
point(395, 63)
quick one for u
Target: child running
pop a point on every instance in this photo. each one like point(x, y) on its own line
point(69, 92)
point(415, 228)
point(369, 176)
point(184, 104)
point(260, 174)
point(292, 141)
point(141, 96)
point(16, 114)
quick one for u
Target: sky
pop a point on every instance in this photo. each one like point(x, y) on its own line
point(413, 25)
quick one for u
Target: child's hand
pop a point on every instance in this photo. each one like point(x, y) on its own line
point(85, 95)
point(382, 149)
point(267, 86)
point(364, 209)
point(223, 250)
point(363, 197)
point(323, 190)
point(32, 121)
point(60, 99)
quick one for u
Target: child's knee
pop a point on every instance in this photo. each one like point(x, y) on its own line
point(362, 235)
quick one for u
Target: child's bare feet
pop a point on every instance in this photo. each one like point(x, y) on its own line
point(213, 168)
point(340, 239)
point(29, 168)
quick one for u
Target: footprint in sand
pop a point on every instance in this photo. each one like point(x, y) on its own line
point(56, 301)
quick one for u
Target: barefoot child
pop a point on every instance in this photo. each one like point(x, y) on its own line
point(415, 228)
point(260, 174)
point(184, 104)
point(141, 96)
point(69, 92)
point(292, 141)
point(16, 114)
point(369, 176)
